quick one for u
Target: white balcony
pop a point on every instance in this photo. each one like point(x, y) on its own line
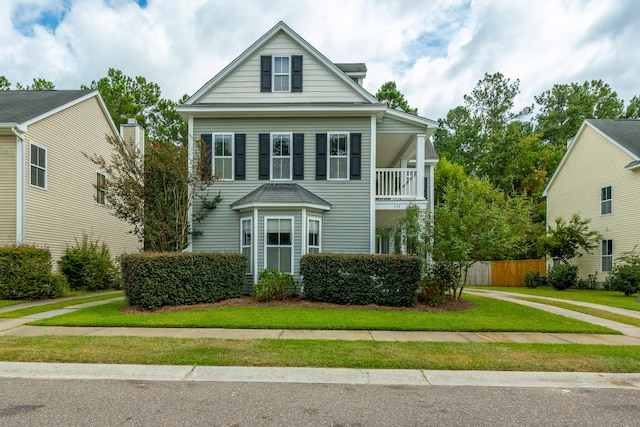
point(396, 184)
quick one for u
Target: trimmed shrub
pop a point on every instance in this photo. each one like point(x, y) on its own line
point(591, 282)
point(562, 276)
point(153, 280)
point(88, 266)
point(625, 276)
point(273, 285)
point(25, 274)
point(390, 280)
point(533, 279)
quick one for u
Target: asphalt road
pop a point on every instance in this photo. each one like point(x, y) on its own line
point(60, 402)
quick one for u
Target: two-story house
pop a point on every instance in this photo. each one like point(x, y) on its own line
point(307, 159)
point(50, 192)
point(599, 178)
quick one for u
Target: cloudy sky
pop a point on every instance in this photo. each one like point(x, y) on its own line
point(435, 50)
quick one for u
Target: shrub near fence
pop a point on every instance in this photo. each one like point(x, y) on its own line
point(390, 280)
point(153, 280)
point(25, 273)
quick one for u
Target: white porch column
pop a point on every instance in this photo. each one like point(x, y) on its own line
point(192, 151)
point(420, 166)
point(372, 187)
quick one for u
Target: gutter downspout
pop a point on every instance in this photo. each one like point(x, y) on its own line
point(20, 187)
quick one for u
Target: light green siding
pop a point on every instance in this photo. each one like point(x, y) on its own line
point(346, 226)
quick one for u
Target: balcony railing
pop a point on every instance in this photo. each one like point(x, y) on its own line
point(396, 183)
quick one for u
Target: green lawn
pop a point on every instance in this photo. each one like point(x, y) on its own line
point(56, 305)
point(633, 321)
point(320, 353)
point(596, 296)
point(487, 315)
point(7, 302)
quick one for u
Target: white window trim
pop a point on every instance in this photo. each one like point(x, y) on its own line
point(610, 200)
point(274, 74)
point(243, 246)
point(307, 245)
point(271, 168)
point(602, 255)
point(347, 156)
point(213, 155)
point(46, 167)
point(98, 172)
point(266, 219)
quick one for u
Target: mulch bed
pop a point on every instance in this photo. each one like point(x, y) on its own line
point(297, 302)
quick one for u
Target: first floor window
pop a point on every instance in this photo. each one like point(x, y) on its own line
point(338, 155)
point(606, 257)
point(246, 241)
point(605, 200)
point(223, 156)
point(281, 156)
point(38, 170)
point(101, 190)
point(279, 244)
point(313, 235)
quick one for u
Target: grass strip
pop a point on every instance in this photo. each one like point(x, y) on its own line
point(487, 315)
point(8, 302)
point(56, 305)
point(620, 318)
point(321, 353)
point(596, 296)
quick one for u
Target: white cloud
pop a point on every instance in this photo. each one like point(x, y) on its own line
point(436, 51)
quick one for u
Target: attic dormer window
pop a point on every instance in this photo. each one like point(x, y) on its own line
point(281, 73)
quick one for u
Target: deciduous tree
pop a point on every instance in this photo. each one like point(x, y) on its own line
point(566, 241)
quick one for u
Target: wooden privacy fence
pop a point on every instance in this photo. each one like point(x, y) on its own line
point(504, 273)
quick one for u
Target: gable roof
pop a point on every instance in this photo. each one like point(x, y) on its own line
point(263, 41)
point(281, 195)
point(624, 134)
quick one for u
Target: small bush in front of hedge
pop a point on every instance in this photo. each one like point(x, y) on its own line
point(88, 266)
point(153, 280)
point(25, 274)
point(562, 276)
point(273, 285)
point(533, 279)
point(353, 279)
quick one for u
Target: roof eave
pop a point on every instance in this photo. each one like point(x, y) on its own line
point(280, 205)
point(277, 110)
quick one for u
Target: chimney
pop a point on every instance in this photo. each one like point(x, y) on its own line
point(133, 131)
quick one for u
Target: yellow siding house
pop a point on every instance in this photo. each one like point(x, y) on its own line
point(48, 194)
point(599, 178)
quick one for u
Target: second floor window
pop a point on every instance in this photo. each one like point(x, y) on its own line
point(338, 156)
point(281, 156)
point(223, 155)
point(101, 191)
point(281, 73)
point(605, 200)
point(38, 169)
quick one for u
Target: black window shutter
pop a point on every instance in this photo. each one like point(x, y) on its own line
point(355, 160)
point(298, 156)
point(264, 146)
point(296, 73)
point(239, 157)
point(206, 153)
point(265, 73)
point(321, 156)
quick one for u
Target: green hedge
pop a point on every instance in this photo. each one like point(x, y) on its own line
point(25, 274)
point(390, 280)
point(153, 280)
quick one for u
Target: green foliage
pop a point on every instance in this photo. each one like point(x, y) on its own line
point(390, 280)
point(566, 241)
point(591, 282)
point(153, 280)
point(273, 285)
point(562, 276)
point(433, 286)
point(4, 83)
point(533, 279)
point(390, 94)
point(88, 266)
point(625, 276)
point(25, 273)
point(38, 84)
